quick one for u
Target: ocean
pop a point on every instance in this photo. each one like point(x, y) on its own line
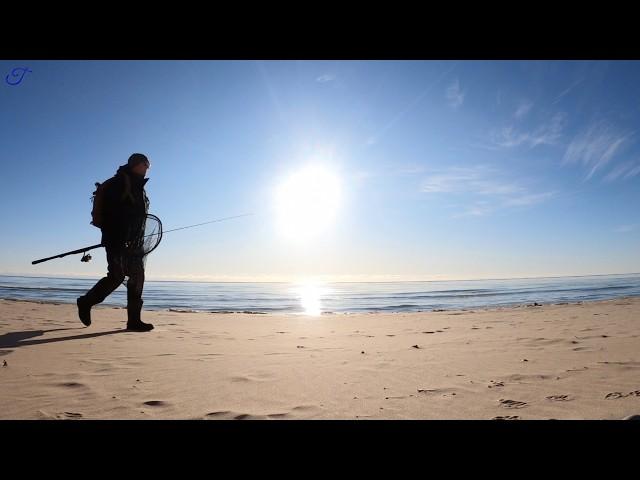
point(346, 297)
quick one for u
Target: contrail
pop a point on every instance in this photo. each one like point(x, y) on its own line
point(412, 104)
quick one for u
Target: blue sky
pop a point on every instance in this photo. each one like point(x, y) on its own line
point(447, 169)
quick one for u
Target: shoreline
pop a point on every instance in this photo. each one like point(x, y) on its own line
point(376, 312)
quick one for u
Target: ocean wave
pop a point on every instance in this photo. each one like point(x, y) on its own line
point(346, 297)
point(489, 293)
point(43, 289)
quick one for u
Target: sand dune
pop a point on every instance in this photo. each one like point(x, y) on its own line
point(570, 361)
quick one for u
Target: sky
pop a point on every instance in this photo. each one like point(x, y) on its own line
point(352, 170)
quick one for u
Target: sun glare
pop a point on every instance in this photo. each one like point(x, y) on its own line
point(310, 297)
point(307, 202)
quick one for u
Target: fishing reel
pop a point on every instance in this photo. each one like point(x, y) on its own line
point(85, 258)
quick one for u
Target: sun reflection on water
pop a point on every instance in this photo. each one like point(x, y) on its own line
point(310, 295)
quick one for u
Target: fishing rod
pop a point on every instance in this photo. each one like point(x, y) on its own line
point(198, 224)
point(158, 225)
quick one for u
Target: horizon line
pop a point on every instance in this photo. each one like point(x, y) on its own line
point(341, 281)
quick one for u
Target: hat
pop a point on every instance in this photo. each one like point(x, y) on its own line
point(137, 158)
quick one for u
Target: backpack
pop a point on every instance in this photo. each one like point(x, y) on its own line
point(97, 199)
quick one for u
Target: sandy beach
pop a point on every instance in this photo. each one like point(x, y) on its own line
point(564, 361)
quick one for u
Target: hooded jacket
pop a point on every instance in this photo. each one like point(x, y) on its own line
point(124, 207)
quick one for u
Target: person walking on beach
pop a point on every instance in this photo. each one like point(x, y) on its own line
point(119, 210)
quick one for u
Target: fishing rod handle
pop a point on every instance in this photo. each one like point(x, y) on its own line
point(80, 250)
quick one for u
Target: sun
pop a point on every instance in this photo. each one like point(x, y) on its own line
point(307, 202)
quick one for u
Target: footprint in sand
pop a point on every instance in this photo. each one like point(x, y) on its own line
point(71, 415)
point(71, 385)
point(495, 384)
point(308, 409)
point(443, 391)
point(614, 395)
point(227, 415)
point(278, 415)
point(507, 417)
point(156, 403)
point(559, 398)
point(247, 416)
point(626, 364)
point(512, 403)
point(218, 414)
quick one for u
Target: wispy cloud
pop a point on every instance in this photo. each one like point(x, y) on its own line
point(477, 180)
point(596, 147)
point(512, 136)
point(546, 134)
point(325, 78)
point(492, 190)
point(455, 96)
point(628, 169)
point(523, 109)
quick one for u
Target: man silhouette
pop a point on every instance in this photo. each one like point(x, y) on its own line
point(120, 209)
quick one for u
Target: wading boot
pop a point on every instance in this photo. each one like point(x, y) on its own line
point(84, 310)
point(134, 309)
